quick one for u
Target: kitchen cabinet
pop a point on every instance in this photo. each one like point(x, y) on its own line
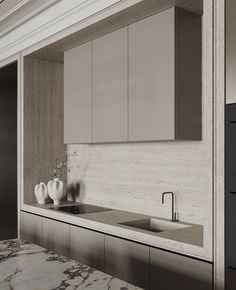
point(127, 260)
point(141, 265)
point(231, 138)
point(138, 83)
point(165, 77)
point(172, 271)
point(56, 236)
point(110, 83)
point(87, 247)
point(78, 94)
point(230, 229)
point(230, 278)
point(31, 227)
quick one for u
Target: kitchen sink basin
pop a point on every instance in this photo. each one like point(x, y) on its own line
point(80, 209)
point(155, 225)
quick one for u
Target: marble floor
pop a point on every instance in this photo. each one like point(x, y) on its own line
point(25, 266)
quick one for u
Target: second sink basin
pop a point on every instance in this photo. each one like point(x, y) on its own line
point(155, 225)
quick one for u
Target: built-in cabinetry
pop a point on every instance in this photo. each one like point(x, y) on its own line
point(138, 83)
point(230, 196)
point(110, 68)
point(230, 278)
point(144, 266)
point(165, 77)
point(56, 236)
point(127, 260)
point(173, 271)
point(78, 94)
point(87, 247)
point(31, 228)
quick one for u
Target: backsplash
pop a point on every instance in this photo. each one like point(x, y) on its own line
point(133, 176)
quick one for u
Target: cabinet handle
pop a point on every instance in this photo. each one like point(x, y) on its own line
point(233, 192)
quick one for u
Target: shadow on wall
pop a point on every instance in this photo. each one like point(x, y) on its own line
point(76, 191)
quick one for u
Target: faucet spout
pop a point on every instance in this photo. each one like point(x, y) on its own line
point(174, 214)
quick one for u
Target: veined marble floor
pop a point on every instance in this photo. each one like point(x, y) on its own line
point(25, 266)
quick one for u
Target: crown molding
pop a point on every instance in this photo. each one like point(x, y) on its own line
point(14, 9)
point(66, 13)
point(21, 13)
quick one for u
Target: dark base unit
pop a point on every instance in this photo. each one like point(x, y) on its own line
point(230, 197)
point(230, 278)
point(127, 260)
point(173, 271)
point(147, 267)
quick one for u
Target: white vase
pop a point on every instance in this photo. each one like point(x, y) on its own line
point(55, 190)
point(41, 192)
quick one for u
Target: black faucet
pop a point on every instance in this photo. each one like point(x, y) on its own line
point(174, 214)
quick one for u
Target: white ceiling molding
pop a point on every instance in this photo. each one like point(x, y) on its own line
point(21, 13)
point(59, 16)
point(10, 6)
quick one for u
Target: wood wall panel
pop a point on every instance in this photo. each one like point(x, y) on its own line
point(43, 121)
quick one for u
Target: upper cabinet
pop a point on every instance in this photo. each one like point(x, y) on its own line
point(110, 66)
point(138, 83)
point(165, 77)
point(78, 94)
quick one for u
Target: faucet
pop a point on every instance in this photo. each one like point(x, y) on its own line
point(174, 214)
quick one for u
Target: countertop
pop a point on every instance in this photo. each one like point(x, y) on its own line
point(188, 240)
point(25, 266)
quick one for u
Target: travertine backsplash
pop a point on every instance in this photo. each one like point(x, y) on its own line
point(133, 176)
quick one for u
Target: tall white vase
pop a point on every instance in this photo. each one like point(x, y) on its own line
point(55, 190)
point(41, 192)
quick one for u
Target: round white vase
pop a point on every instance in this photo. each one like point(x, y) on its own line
point(41, 192)
point(55, 190)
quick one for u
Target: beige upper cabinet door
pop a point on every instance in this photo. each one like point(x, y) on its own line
point(78, 94)
point(152, 78)
point(165, 77)
point(110, 87)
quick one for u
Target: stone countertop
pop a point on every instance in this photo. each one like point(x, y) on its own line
point(25, 266)
point(187, 241)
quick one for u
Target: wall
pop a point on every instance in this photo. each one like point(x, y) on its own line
point(133, 176)
point(43, 121)
point(8, 152)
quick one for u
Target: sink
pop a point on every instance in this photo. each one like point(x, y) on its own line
point(155, 225)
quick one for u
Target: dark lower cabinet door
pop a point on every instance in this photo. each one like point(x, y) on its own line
point(170, 271)
point(31, 228)
point(87, 247)
point(230, 279)
point(56, 236)
point(127, 261)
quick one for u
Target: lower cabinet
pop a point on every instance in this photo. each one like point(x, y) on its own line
point(127, 261)
point(170, 271)
point(31, 228)
point(87, 247)
point(230, 278)
point(56, 236)
point(143, 266)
